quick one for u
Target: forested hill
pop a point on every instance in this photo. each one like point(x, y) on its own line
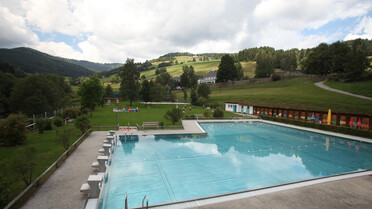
point(33, 61)
point(98, 67)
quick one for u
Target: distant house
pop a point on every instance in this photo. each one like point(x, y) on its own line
point(210, 77)
point(177, 80)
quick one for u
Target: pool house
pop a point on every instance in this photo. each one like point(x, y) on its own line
point(239, 107)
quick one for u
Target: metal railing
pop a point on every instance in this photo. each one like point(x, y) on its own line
point(55, 164)
point(147, 202)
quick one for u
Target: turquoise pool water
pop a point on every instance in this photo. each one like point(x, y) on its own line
point(232, 157)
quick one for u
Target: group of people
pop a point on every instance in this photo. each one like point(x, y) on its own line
point(184, 108)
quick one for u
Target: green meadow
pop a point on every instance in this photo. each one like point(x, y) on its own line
point(300, 93)
point(48, 151)
point(362, 88)
point(104, 116)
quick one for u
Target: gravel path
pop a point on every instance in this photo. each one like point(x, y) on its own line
point(321, 85)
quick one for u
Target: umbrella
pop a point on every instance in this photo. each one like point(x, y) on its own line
point(329, 118)
point(313, 117)
point(359, 122)
point(351, 123)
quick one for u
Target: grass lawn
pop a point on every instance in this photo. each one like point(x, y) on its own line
point(300, 93)
point(104, 116)
point(48, 151)
point(362, 88)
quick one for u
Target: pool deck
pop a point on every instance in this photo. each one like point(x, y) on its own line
point(62, 188)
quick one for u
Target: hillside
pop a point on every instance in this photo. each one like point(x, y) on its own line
point(97, 67)
point(33, 61)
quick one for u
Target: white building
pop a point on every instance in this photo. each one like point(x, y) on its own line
point(239, 107)
point(210, 77)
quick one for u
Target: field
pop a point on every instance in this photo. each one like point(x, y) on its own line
point(298, 93)
point(104, 116)
point(361, 88)
point(201, 67)
point(48, 151)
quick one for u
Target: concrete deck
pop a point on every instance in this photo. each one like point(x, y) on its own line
point(62, 188)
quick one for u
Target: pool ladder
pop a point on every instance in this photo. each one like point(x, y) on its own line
point(143, 201)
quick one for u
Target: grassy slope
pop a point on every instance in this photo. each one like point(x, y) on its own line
point(361, 88)
point(201, 67)
point(298, 93)
point(103, 116)
point(48, 151)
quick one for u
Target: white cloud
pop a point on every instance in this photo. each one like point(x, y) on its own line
point(112, 30)
point(362, 30)
point(14, 31)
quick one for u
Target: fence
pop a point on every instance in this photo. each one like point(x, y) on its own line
point(36, 182)
point(361, 121)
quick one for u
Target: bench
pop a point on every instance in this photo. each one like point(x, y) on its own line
point(150, 124)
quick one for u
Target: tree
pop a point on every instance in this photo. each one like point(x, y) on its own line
point(172, 96)
point(265, 66)
point(82, 123)
point(173, 115)
point(129, 85)
point(239, 70)
point(157, 93)
point(204, 90)
point(36, 94)
point(227, 70)
point(91, 93)
point(40, 125)
point(358, 61)
point(193, 96)
point(188, 77)
point(145, 90)
point(109, 91)
point(184, 91)
point(7, 82)
point(163, 78)
point(4, 192)
point(319, 60)
point(23, 164)
point(64, 136)
point(13, 130)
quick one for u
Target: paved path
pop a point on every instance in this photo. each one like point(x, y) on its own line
point(321, 85)
point(62, 190)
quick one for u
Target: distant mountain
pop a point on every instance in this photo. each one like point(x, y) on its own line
point(98, 67)
point(33, 61)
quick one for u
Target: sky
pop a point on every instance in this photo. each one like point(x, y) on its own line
point(109, 31)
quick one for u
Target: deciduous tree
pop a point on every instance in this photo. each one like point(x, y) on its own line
point(129, 85)
point(91, 93)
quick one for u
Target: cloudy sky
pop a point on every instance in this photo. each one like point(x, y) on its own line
point(114, 30)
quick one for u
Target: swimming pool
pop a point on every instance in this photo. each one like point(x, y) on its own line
point(232, 157)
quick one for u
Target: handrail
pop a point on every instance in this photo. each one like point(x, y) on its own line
point(147, 202)
point(126, 201)
point(37, 180)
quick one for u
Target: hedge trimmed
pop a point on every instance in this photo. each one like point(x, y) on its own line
point(337, 129)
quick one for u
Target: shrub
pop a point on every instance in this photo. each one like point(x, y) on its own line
point(48, 124)
point(24, 164)
point(218, 113)
point(40, 125)
point(276, 77)
point(13, 130)
point(201, 101)
point(206, 113)
point(58, 121)
point(161, 124)
point(64, 136)
point(82, 123)
point(70, 112)
point(4, 192)
point(173, 115)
